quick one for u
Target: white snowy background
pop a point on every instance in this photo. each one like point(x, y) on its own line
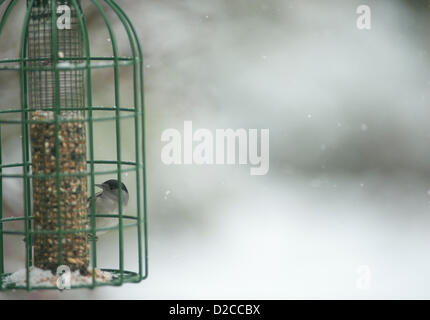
point(349, 180)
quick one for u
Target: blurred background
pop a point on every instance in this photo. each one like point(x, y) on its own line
point(349, 181)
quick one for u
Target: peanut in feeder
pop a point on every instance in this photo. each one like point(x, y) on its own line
point(59, 165)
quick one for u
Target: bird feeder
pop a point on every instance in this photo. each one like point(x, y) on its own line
point(61, 131)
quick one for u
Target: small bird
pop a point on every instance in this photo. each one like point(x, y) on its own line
point(106, 203)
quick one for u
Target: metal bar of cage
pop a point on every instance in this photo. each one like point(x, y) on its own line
point(136, 121)
point(83, 28)
point(122, 62)
point(67, 109)
point(117, 128)
point(143, 126)
point(73, 231)
point(139, 47)
point(128, 163)
point(142, 100)
point(1, 209)
point(100, 119)
point(67, 174)
point(41, 59)
point(25, 145)
point(8, 10)
point(54, 42)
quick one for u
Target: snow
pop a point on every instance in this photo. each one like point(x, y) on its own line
point(45, 278)
point(65, 65)
point(68, 65)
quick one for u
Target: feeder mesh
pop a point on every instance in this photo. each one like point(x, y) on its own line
point(59, 193)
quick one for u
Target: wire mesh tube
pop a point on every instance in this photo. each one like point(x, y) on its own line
point(58, 144)
point(69, 213)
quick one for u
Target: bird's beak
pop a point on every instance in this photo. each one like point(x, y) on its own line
point(100, 186)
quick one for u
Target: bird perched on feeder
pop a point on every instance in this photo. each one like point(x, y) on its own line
point(106, 203)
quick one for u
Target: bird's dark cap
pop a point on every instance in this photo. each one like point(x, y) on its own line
point(113, 185)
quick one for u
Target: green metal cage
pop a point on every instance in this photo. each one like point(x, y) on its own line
point(59, 167)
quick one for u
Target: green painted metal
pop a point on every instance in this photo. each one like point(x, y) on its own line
point(1, 210)
point(131, 32)
point(142, 101)
point(26, 145)
point(24, 65)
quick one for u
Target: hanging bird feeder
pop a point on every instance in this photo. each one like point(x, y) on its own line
point(59, 168)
